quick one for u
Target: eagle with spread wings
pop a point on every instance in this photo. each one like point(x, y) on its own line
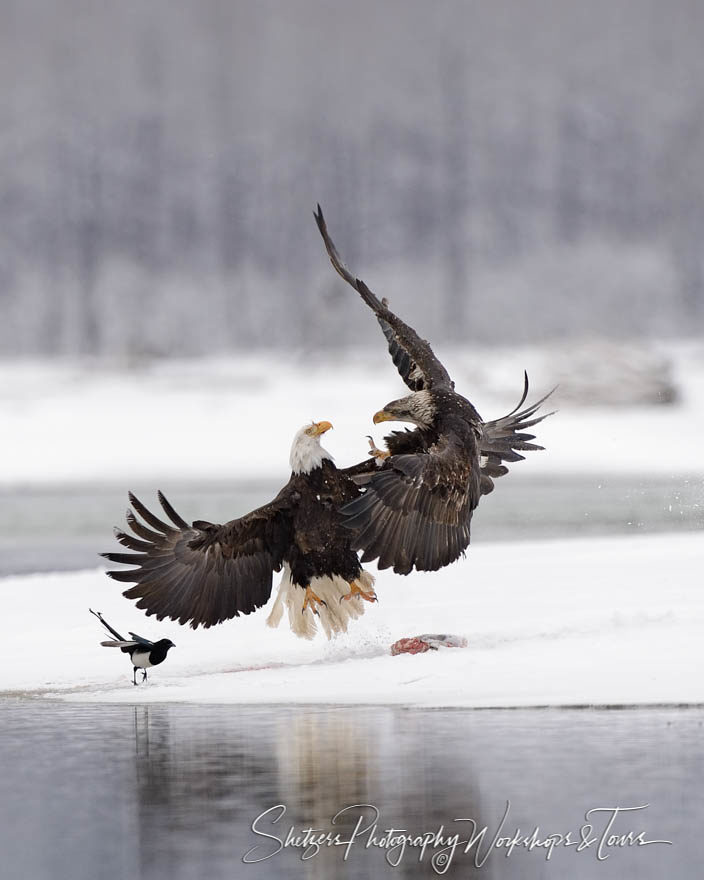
point(416, 509)
point(204, 573)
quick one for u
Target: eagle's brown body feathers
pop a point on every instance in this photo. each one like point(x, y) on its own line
point(206, 573)
point(417, 507)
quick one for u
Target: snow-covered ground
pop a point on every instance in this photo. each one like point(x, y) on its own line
point(562, 623)
point(608, 621)
point(230, 419)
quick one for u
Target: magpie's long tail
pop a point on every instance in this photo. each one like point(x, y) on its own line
point(107, 626)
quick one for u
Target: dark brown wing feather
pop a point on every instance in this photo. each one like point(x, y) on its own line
point(501, 438)
point(414, 358)
point(416, 510)
point(408, 440)
point(204, 573)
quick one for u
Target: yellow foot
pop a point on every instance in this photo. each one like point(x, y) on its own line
point(378, 454)
point(356, 590)
point(312, 600)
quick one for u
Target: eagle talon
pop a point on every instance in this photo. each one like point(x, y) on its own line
point(356, 590)
point(312, 600)
point(378, 454)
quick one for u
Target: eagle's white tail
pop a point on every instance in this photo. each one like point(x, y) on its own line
point(333, 617)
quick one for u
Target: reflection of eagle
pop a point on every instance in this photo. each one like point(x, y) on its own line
point(207, 573)
point(416, 510)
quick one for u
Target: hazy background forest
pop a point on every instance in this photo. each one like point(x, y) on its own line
point(509, 171)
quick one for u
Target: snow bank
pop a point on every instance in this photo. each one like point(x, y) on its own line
point(609, 621)
point(230, 419)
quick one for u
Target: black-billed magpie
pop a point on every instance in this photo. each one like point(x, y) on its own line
point(143, 653)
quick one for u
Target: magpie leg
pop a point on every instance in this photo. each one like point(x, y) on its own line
point(144, 675)
point(134, 675)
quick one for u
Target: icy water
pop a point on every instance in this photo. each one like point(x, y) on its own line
point(152, 792)
point(173, 791)
point(64, 527)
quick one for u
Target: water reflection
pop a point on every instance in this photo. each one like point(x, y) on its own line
point(150, 792)
point(327, 761)
point(197, 776)
point(202, 778)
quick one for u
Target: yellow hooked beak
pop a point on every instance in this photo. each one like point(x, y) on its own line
point(384, 416)
point(318, 428)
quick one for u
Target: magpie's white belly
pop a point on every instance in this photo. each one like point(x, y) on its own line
point(141, 659)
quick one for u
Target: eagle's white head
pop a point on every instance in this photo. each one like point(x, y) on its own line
point(306, 451)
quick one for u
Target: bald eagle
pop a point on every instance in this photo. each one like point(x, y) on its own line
point(416, 510)
point(206, 573)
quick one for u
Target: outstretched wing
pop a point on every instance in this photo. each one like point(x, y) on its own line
point(203, 573)
point(501, 438)
point(413, 356)
point(416, 510)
